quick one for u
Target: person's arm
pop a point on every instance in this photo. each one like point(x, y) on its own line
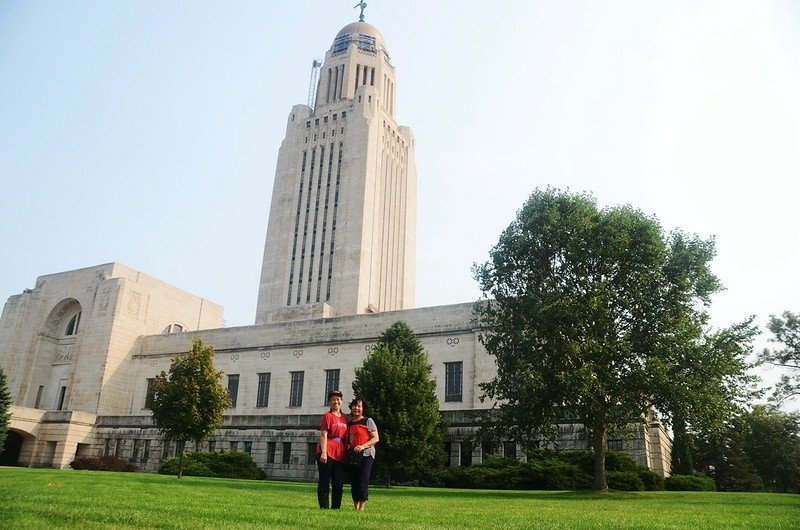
point(323, 440)
point(373, 439)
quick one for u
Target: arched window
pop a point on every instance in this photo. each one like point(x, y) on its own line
point(72, 326)
point(172, 328)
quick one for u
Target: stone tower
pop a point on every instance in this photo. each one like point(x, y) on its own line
point(341, 238)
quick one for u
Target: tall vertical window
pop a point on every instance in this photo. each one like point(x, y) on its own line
point(510, 449)
point(311, 455)
point(296, 392)
point(212, 446)
point(248, 447)
point(146, 451)
point(149, 393)
point(271, 452)
point(331, 383)
point(61, 395)
point(453, 381)
point(262, 397)
point(39, 396)
point(287, 453)
point(466, 454)
point(72, 326)
point(233, 388)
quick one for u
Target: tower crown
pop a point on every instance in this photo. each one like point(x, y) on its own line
point(366, 36)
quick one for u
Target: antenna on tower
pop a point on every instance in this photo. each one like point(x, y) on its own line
point(312, 84)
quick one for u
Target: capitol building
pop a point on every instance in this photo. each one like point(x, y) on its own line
point(81, 348)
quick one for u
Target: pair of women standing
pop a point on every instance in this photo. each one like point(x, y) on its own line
point(337, 438)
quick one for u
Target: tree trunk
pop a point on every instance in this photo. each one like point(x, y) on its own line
point(599, 446)
point(182, 447)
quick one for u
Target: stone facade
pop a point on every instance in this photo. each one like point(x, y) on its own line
point(80, 348)
point(341, 238)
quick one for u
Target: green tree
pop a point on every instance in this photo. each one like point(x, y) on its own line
point(588, 310)
point(786, 331)
point(395, 379)
point(716, 363)
point(5, 406)
point(759, 449)
point(189, 401)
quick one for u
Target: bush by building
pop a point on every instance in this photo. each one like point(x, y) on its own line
point(545, 470)
point(103, 463)
point(225, 464)
point(689, 483)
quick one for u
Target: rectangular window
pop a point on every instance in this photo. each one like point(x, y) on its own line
point(488, 449)
point(234, 445)
point(448, 452)
point(331, 382)
point(212, 446)
point(165, 454)
point(453, 381)
point(146, 451)
point(296, 392)
point(149, 394)
point(248, 447)
point(466, 454)
point(615, 445)
point(135, 451)
point(262, 398)
point(510, 449)
point(233, 388)
point(39, 397)
point(287, 453)
point(107, 449)
point(61, 395)
point(271, 452)
point(311, 458)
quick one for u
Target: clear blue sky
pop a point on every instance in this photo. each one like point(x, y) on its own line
point(147, 132)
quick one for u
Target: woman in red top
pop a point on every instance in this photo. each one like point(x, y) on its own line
point(331, 454)
point(362, 435)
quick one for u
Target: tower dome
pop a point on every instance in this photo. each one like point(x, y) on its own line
point(358, 32)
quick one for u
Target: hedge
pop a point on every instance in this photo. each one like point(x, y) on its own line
point(689, 483)
point(103, 463)
point(225, 464)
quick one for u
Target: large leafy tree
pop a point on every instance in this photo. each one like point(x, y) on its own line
point(589, 311)
point(759, 449)
point(189, 401)
point(395, 379)
point(786, 331)
point(716, 364)
point(5, 406)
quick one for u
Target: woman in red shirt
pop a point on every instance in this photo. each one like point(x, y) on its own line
point(331, 454)
point(362, 435)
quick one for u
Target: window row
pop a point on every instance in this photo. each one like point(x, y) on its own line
point(262, 390)
point(453, 386)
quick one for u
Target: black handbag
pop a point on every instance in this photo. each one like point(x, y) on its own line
point(354, 458)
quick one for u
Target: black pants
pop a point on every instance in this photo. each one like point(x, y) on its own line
point(359, 479)
point(331, 473)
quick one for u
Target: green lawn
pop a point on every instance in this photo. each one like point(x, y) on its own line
point(46, 498)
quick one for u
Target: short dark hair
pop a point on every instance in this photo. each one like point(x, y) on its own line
point(335, 393)
point(363, 404)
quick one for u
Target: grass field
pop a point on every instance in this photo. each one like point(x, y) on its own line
point(47, 498)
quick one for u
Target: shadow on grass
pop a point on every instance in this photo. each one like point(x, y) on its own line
point(508, 494)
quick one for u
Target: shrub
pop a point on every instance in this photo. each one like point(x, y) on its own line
point(511, 474)
point(226, 464)
point(103, 463)
point(652, 481)
point(689, 483)
point(624, 481)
